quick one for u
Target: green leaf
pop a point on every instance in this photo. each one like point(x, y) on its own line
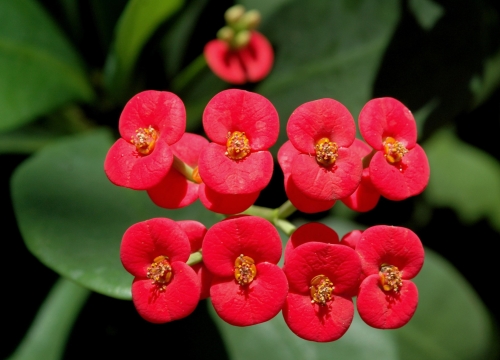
point(72, 218)
point(47, 336)
point(265, 7)
point(451, 322)
point(463, 178)
point(326, 49)
point(427, 12)
point(40, 71)
point(136, 25)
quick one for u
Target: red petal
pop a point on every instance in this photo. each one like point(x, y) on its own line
point(335, 182)
point(177, 301)
point(255, 303)
point(174, 191)
point(339, 263)
point(400, 181)
point(195, 231)
point(226, 176)
point(318, 323)
point(302, 202)
point(205, 278)
point(324, 118)
point(248, 235)
point(312, 231)
point(351, 238)
point(189, 147)
point(162, 110)
point(226, 204)
point(383, 117)
point(125, 167)
point(238, 110)
point(144, 241)
point(392, 245)
point(286, 154)
point(366, 197)
point(257, 58)
point(386, 310)
point(224, 62)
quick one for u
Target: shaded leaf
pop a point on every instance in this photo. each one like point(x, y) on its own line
point(463, 178)
point(135, 26)
point(72, 218)
point(427, 12)
point(39, 70)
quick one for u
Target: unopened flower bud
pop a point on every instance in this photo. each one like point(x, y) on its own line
point(251, 19)
point(241, 39)
point(234, 13)
point(225, 34)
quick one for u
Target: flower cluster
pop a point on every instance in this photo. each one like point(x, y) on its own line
point(176, 264)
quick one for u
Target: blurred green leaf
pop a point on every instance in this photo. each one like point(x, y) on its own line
point(51, 328)
point(72, 218)
point(485, 84)
point(265, 7)
point(463, 178)
point(39, 70)
point(326, 49)
point(427, 12)
point(450, 323)
point(136, 25)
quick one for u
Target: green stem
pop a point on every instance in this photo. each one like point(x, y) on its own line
point(195, 258)
point(188, 74)
point(286, 226)
point(286, 210)
point(183, 168)
point(263, 212)
point(49, 331)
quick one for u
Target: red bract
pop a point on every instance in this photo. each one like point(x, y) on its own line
point(399, 168)
point(326, 168)
point(248, 287)
point(250, 63)
point(226, 203)
point(155, 252)
point(310, 232)
point(242, 126)
point(150, 122)
point(390, 257)
point(365, 197)
point(321, 278)
point(286, 155)
point(175, 190)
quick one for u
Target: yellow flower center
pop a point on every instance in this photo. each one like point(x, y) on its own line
point(144, 140)
point(326, 152)
point(244, 270)
point(321, 290)
point(394, 150)
point(237, 145)
point(160, 272)
point(390, 278)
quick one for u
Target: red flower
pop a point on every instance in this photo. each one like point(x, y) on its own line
point(326, 168)
point(286, 155)
point(242, 126)
point(175, 190)
point(321, 277)
point(250, 63)
point(365, 197)
point(155, 252)
point(390, 257)
point(399, 168)
point(150, 122)
point(248, 287)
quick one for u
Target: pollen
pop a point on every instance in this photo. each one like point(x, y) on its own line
point(390, 278)
point(144, 140)
point(326, 152)
point(394, 150)
point(160, 272)
point(196, 176)
point(237, 145)
point(321, 290)
point(244, 270)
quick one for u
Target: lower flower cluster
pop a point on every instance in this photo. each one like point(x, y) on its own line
point(239, 272)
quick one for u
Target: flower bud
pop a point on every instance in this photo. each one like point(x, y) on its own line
point(251, 19)
point(234, 13)
point(226, 34)
point(241, 39)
